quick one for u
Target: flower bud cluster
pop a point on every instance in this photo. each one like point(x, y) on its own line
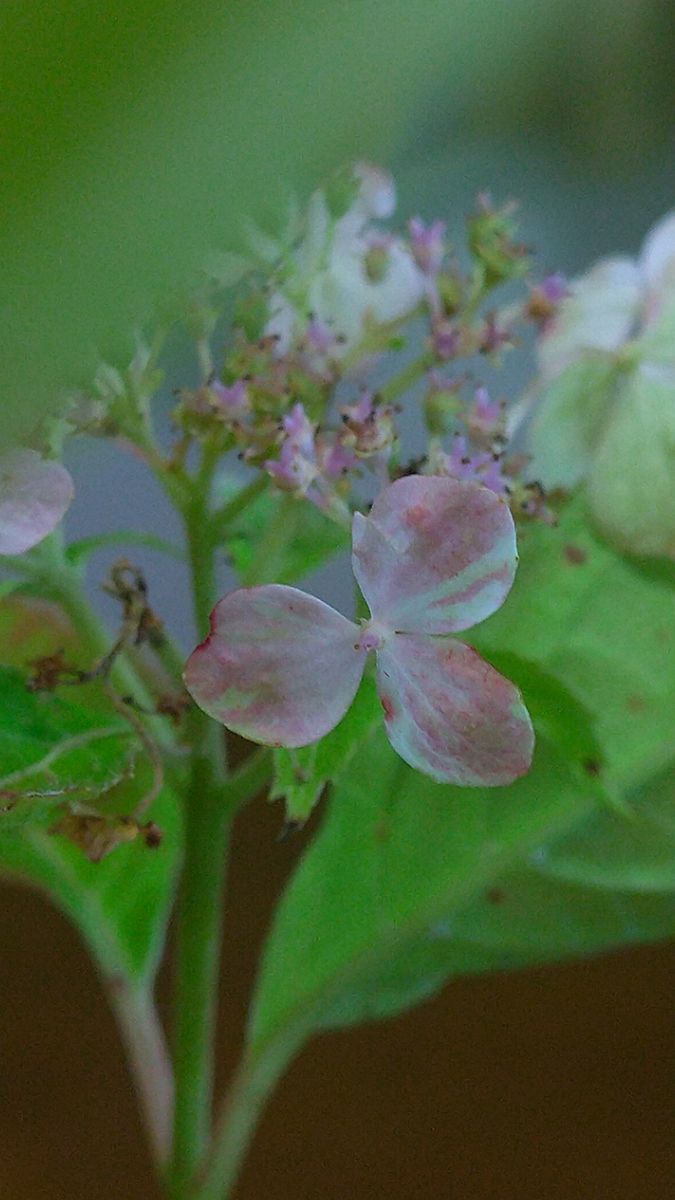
point(288, 390)
point(318, 308)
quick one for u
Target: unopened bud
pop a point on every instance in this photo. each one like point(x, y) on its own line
point(492, 242)
point(251, 315)
point(442, 403)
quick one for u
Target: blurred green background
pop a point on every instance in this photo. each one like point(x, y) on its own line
point(136, 134)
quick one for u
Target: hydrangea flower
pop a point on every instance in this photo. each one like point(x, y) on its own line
point(330, 277)
point(605, 411)
point(434, 557)
point(34, 495)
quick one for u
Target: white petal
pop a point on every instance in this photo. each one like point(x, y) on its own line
point(598, 314)
point(657, 259)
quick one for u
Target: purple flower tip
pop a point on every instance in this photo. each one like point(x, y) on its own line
point(231, 401)
point(554, 287)
point(427, 243)
point(320, 336)
point(446, 339)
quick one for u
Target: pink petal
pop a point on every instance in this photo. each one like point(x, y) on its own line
point(450, 714)
point(34, 495)
point(436, 555)
point(278, 666)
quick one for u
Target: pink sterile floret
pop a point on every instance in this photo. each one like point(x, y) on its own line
point(34, 495)
point(435, 556)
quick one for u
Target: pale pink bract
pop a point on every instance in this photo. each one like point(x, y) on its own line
point(34, 495)
point(435, 556)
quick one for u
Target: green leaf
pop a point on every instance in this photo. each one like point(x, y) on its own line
point(280, 539)
point(399, 859)
point(605, 629)
point(410, 882)
point(397, 854)
point(78, 552)
point(632, 850)
point(31, 627)
point(121, 905)
point(526, 919)
point(301, 775)
point(53, 752)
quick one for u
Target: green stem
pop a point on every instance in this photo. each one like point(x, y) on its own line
point(211, 803)
point(223, 518)
point(239, 1117)
point(207, 825)
point(143, 1039)
point(209, 815)
point(377, 339)
point(405, 379)
point(208, 820)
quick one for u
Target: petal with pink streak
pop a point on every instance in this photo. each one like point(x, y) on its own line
point(435, 555)
point(449, 714)
point(278, 667)
point(34, 495)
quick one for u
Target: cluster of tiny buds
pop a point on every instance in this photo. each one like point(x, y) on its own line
point(280, 400)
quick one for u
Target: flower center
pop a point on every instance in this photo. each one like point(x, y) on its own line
point(373, 636)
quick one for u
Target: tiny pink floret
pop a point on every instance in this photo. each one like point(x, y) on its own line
point(435, 556)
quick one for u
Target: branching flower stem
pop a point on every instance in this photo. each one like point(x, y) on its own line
point(207, 826)
point(211, 802)
point(398, 385)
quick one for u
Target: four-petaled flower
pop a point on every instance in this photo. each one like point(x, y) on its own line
point(434, 557)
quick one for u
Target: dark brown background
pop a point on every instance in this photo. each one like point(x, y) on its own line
point(553, 1083)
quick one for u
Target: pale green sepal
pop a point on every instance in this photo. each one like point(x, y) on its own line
point(569, 420)
point(632, 484)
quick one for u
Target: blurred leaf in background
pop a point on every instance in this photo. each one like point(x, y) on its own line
point(137, 133)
